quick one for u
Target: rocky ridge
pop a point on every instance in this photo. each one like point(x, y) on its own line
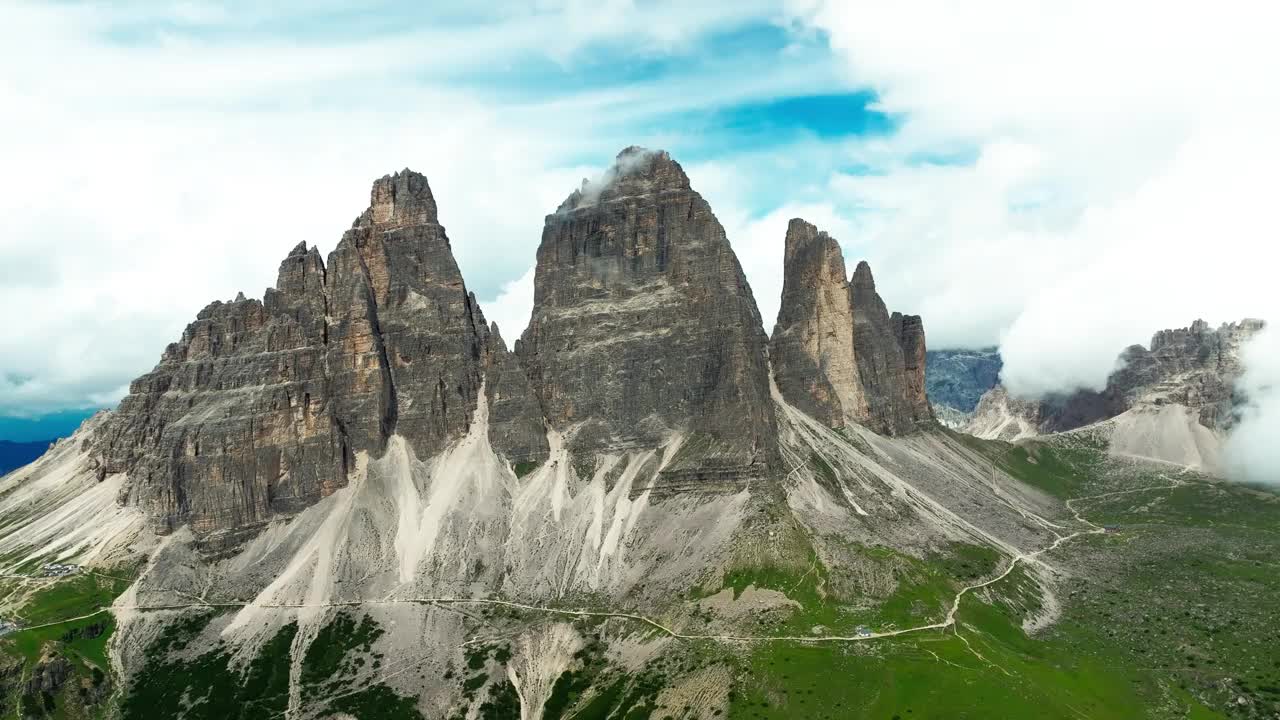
point(1195, 368)
point(474, 497)
point(261, 407)
point(644, 336)
point(837, 352)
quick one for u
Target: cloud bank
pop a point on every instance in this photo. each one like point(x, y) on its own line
point(1253, 450)
point(1069, 178)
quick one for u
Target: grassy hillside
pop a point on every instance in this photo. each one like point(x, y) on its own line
point(1170, 613)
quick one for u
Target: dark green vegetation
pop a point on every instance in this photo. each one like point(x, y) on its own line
point(1187, 586)
point(1170, 614)
point(184, 672)
point(189, 668)
point(57, 668)
point(524, 468)
point(341, 669)
point(590, 690)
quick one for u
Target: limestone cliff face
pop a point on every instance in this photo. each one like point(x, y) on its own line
point(812, 342)
point(837, 352)
point(909, 330)
point(894, 384)
point(259, 409)
point(644, 325)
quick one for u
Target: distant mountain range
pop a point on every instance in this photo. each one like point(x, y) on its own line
point(956, 379)
point(1173, 400)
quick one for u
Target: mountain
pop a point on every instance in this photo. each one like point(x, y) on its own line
point(351, 499)
point(16, 454)
point(644, 328)
point(957, 379)
point(837, 353)
point(262, 407)
point(1173, 401)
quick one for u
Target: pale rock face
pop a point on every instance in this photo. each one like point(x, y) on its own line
point(644, 326)
point(1000, 416)
point(812, 343)
point(1195, 366)
point(837, 353)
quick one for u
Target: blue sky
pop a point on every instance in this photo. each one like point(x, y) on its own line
point(170, 153)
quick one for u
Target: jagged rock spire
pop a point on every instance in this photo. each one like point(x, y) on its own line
point(837, 352)
point(260, 408)
point(812, 342)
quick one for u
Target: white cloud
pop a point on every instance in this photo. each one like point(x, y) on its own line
point(1123, 160)
point(1252, 451)
point(1087, 123)
point(512, 308)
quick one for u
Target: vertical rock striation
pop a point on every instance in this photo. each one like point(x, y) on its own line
point(258, 410)
point(837, 352)
point(812, 342)
point(909, 330)
point(644, 325)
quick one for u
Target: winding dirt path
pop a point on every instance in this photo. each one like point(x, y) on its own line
point(947, 622)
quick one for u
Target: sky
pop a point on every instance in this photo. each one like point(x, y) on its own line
point(1059, 179)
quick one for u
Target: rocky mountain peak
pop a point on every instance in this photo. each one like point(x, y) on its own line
point(1191, 369)
point(644, 326)
point(890, 351)
point(401, 199)
point(862, 277)
point(262, 406)
point(812, 343)
point(837, 352)
point(636, 172)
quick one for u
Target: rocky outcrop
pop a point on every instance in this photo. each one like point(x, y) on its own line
point(1195, 367)
point(1000, 416)
point(48, 675)
point(812, 342)
point(909, 330)
point(644, 326)
point(894, 388)
point(259, 409)
point(958, 378)
point(837, 353)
